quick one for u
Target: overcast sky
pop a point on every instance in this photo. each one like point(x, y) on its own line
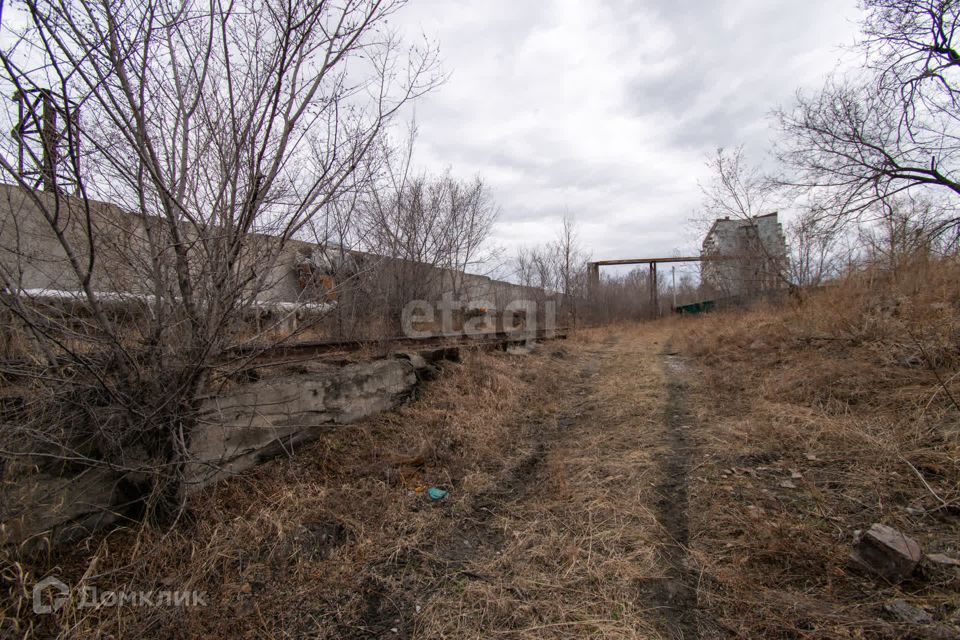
point(607, 109)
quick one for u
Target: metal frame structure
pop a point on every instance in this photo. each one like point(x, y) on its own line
point(593, 274)
point(48, 127)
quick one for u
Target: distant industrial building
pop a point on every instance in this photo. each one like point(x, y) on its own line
point(293, 278)
point(744, 256)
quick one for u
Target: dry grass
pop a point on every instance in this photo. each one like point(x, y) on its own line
point(317, 543)
point(842, 397)
point(548, 530)
point(576, 538)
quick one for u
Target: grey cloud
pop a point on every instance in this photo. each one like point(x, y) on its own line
point(606, 109)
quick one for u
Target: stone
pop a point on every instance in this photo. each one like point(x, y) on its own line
point(944, 560)
point(521, 348)
point(415, 359)
point(908, 613)
point(786, 484)
point(886, 552)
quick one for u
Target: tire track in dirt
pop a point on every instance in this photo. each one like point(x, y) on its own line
point(520, 479)
point(470, 539)
point(465, 551)
point(675, 594)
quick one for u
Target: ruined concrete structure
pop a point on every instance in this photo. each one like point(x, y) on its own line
point(237, 430)
point(743, 257)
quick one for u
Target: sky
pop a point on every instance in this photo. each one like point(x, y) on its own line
point(607, 109)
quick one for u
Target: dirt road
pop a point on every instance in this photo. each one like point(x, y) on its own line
point(586, 534)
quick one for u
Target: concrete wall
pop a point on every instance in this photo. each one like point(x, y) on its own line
point(238, 430)
point(33, 258)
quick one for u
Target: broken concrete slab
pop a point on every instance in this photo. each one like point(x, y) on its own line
point(886, 551)
point(269, 418)
point(67, 508)
point(238, 430)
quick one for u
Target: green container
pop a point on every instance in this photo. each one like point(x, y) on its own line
point(695, 307)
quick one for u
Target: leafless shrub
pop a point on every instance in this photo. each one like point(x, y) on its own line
point(220, 133)
point(816, 254)
point(903, 229)
point(428, 233)
point(557, 270)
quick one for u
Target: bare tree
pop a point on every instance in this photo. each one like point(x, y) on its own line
point(854, 144)
point(556, 270)
point(814, 250)
point(737, 188)
point(902, 230)
point(740, 191)
point(424, 233)
point(573, 269)
point(846, 145)
point(220, 132)
point(911, 44)
point(539, 271)
point(621, 297)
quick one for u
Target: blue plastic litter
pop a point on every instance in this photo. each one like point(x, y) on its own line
point(436, 493)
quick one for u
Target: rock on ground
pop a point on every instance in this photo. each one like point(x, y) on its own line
point(886, 552)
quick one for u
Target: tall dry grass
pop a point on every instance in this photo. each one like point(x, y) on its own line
point(816, 419)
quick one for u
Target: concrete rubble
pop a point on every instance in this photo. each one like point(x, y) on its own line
point(942, 560)
point(904, 612)
point(886, 552)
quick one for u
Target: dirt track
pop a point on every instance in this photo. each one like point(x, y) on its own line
point(586, 533)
